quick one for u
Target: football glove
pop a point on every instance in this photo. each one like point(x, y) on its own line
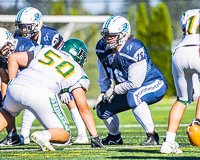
point(96, 143)
point(64, 97)
point(110, 93)
point(99, 100)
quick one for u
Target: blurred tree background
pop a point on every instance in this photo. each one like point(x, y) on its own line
point(160, 41)
point(154, 22)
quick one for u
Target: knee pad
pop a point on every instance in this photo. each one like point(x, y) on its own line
point(99, 113)
point(103, 114)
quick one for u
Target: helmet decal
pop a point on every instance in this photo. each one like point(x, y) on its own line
point(20, 13)
point(108, 21)
point(37, 17)
point(125, 27)
point(9, 35)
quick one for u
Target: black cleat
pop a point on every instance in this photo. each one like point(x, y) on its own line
point(96, 143)
point(152, 139)
point(11, 140)
point(113, 139)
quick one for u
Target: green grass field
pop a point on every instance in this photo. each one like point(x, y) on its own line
point(132, 134)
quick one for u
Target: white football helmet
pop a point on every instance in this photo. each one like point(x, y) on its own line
point(6, 39)
point(29, 21)
point(116, 26)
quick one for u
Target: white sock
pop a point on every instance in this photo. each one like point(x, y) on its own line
point(47, 135)
point(142, 114)
point(112, 123)
point(170, 137)
point(78, 121)
point(27, 121)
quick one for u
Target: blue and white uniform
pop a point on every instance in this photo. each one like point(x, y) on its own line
point(24, 44)
point(137, 79)
point(50, 36)
point(21, 44)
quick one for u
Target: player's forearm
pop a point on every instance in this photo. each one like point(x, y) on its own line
point(84, 109)
point(13, 67)
point(3, 89)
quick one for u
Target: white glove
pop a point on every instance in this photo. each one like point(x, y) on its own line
point(64, 97)
point(99, 100)
point(110, 94)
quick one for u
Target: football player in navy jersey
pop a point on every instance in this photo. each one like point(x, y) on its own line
point(29, 24)
point(8, 45)
point(127, 79)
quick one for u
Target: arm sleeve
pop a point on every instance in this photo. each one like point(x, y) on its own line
point(57, 41)
point(84, 83)
point(136, 77)
point(103, 80)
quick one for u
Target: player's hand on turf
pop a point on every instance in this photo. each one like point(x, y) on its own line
point(64, 97)
point(96, 143)
point(99, 100)
point(110, 93)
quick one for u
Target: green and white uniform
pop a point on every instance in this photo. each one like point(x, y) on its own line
point(186, 58)
point(36, 87)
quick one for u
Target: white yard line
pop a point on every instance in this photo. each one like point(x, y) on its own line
point(18, 149)
point(89, 148)
point(115, 147)
point(121, 126)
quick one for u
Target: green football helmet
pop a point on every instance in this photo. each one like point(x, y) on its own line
point(77, 49)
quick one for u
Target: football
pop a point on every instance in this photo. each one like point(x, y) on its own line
point(193, 132)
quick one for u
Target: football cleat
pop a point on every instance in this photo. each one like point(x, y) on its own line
point(193, 132)
point(25, 140)
point(68, 143)
point(168, 148)
point(11, 140)
point(152, 139)
point(81, 139)
point(39, 138)
point(113, 139)
point(96, 143)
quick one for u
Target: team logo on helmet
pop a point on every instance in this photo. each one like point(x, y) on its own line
point(37, 17)
point(82, 54)
point(125, 27)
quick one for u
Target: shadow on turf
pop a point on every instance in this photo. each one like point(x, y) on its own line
point(146, 157)
point(170, 156)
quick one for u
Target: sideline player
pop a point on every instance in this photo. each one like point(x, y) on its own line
point(185, 63)
point(30, 25)
point(8, 45)
point(127, 79)
point(36, 89)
